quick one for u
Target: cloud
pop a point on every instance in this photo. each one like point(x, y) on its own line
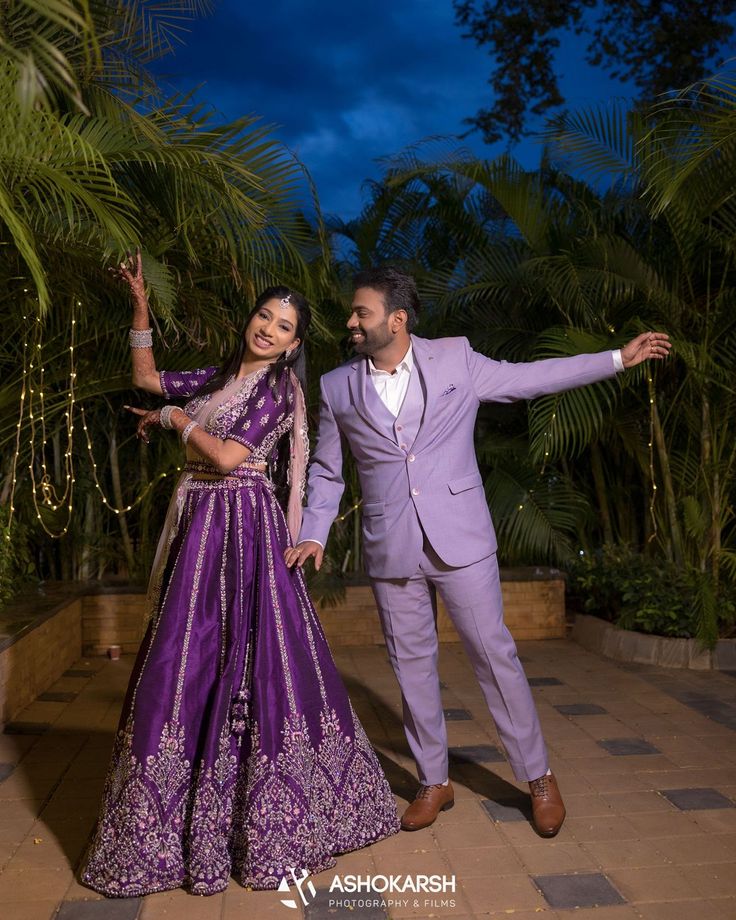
point(347, 83)
point(379, 121)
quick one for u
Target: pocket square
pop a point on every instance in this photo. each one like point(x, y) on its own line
point(450, 389)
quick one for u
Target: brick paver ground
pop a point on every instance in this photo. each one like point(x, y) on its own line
point(646, 759)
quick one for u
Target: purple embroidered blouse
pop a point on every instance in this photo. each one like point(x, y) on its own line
point(254, 415)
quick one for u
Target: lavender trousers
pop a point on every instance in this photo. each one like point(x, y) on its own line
point(472, 596)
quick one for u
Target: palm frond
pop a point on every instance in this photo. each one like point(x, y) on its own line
point(601, 140)
point(534, 518)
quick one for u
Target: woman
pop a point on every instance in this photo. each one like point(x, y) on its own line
point(238, 751)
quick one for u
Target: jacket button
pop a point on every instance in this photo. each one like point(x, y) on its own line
point(410, 458)
point(399, 427)
point(415, 491)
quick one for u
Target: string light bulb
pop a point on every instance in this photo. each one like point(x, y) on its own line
point(32, 409)
point(351, 510)
point(650, 446)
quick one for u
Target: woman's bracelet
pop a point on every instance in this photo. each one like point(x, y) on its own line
point(141, 338)
point(165, 415)
point(187, 431)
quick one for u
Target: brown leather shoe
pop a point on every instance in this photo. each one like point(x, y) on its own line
point(548, 808)
point(429, 802)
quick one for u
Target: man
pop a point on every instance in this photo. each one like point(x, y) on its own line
point(407, 408)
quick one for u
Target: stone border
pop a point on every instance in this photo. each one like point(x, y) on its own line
point(597, 635)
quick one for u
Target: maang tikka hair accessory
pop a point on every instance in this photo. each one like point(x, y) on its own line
point(286, 301)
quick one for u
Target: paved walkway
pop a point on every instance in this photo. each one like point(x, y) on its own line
point(646, 760)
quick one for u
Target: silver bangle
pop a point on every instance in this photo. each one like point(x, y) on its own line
point(141, 338)
point(165, 416)
point(187, 431)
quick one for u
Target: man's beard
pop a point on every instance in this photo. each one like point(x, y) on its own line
point(373, 341)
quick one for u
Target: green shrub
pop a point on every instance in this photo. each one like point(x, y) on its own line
point(651, 595)
point(16, 564)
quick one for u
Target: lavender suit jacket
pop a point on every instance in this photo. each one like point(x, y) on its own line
point(435, 486)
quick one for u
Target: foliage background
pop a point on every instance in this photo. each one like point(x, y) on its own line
point(628, 223)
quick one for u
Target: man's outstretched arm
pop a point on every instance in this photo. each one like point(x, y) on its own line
point(501, 381)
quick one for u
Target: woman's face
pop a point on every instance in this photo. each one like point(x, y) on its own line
point(271, 331)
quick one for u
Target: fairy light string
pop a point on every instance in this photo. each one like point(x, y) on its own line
point(98, 485)
point(32, 411)
point(18, 427)
point(650, 446)
point(37, 419)
point(50, 497)
point(351, 510)
point(547, 439)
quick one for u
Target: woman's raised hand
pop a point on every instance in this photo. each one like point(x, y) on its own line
point(130, 270)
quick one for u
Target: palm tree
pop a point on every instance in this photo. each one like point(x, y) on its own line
point(481, 237)
point(538, 264)
point(679, 161)
point(94, 161)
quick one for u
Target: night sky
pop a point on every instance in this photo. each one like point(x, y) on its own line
point(349, 82)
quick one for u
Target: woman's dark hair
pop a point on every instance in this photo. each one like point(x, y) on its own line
point(295, 362)
point(399, 290)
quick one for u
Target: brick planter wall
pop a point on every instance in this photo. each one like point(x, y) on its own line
point(113, 618)
point(61, 622)
point(37, 659)
point(534, 609)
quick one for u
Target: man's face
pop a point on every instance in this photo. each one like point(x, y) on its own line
point(368, 322)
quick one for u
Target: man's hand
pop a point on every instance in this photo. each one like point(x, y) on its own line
point(648, 345)
point(298, 555)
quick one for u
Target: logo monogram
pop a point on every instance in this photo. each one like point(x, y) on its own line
point(299, 882)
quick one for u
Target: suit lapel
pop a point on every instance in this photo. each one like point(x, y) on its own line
point(368, 404)
point(424, 359)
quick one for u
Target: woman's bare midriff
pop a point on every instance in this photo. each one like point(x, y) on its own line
point(193, 455)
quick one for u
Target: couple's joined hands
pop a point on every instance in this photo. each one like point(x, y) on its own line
point(298, 555)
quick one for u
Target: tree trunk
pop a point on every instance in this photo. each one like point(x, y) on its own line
point(118, 495)
point(675, 540)
point(144, 510)
point(709, 468)
point(599, 480)
point(85, 567)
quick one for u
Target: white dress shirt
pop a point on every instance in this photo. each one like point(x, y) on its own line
point(392, 387)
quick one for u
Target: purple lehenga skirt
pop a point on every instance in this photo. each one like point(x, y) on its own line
point(238, 751)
